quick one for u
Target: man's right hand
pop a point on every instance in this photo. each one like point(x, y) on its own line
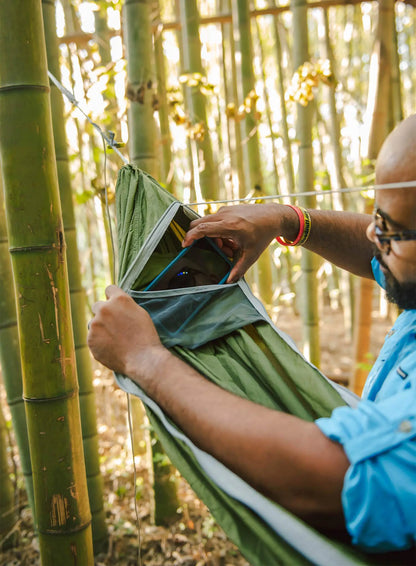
point(123, 337)
point(244, 231)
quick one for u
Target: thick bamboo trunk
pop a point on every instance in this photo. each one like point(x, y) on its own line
point(138, 40)
point(10, 363)
point(378, 107)
point(249, 134)
point(8, 511)
point(245, 85)
point(231, 98)
point(77, 293)
point(102, 34)
point(143, 151)
point(39, 267)
point(268, 110)
point(205, 172)
point(288, 158)
point(309, 261)
point(166, 164)
point(346, 281)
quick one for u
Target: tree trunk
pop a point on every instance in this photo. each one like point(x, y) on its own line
point(143, 150)
point(205, 172)
point(142, 129)
point(378, 126)
point(10, 363)
point(346, 280)
point(231, 98)
point(167, 165)
point(41, 282)
point(77, 293)
point(288, 158)
point(250, 140)
point(8, 511)
point(309, 261)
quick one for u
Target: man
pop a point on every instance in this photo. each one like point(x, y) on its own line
point(356, 468)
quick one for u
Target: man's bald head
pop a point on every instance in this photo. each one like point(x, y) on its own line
point(396, 161)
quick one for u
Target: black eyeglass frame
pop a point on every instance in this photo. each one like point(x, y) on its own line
point(386, 236)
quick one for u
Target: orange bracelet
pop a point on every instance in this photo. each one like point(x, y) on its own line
point(282, 241)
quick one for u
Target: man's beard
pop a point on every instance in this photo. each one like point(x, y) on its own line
point(401, 294)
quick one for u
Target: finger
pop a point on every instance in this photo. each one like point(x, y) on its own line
point(239, 269)
point(231, 243)
point(210, 229)
point(112, 291)
point(96, 307)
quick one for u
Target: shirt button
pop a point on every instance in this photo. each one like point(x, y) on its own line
point(405, 426)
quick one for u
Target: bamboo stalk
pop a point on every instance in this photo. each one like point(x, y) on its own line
point(309, 261)
point(82, 38)
point(77, 293)
point(143, 152)
point(8, 514)
point(205, 171)
point(10, 355)
point(41, 282)
point(167, 166)
point(378, 126)
point(140, 75)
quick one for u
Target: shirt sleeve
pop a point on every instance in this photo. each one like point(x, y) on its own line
point(379, 492)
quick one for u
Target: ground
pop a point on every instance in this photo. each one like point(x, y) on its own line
point(194, 539)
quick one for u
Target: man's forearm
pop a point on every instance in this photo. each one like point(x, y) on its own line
point(340, 237)
point(287, 459)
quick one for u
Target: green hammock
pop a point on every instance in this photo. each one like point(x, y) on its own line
point(232, 342)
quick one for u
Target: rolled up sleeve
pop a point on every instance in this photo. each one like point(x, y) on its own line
point(379, 492)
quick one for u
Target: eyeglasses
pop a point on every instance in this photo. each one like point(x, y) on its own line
point(385, 237)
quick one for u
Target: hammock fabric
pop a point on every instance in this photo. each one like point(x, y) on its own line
point(224, 332)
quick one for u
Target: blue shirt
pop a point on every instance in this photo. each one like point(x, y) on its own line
point(379, 439)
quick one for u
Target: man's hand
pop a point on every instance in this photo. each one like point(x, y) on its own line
point(275, 452)
point(244, 231)
point(122, 335)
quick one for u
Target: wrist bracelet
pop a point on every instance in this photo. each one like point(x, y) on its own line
point(304, 228)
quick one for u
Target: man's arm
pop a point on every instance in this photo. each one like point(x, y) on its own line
point(246, 230)
point(288, 459)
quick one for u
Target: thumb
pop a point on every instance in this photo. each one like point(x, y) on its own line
point(112, 291)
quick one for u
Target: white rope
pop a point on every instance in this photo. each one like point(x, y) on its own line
point(109, 138)
point(253, 197)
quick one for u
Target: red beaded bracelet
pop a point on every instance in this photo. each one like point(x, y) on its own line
point(298, 238)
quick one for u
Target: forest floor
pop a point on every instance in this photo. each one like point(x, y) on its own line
point(194, 539)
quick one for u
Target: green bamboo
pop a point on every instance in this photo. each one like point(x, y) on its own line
point(346, 281)
point(305, 182)
point(288, 158)
point(102, 34)
point(143, 151)
point(10, 363)
point(378, 108)
point(91, 228)
point(166, 163)
point(246, 84)
point(268, 109)
point(205, 172)
point(396, 111)
point(378, 102)
point(8, 511)
point(77, 293)
point(140, 77)
point(38, 253)
point(231, 97)
point(250, 140)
